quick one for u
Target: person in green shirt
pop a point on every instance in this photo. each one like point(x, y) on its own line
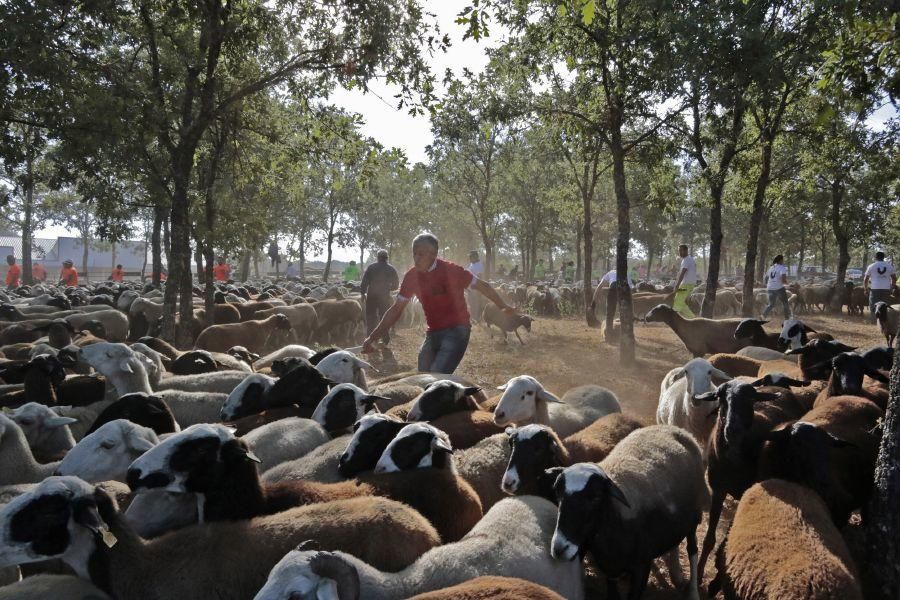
point(351, 272)
point(540, 270)
point(570, 271)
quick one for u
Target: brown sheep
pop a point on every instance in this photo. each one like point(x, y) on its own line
point(700, 336)
point(782, 544)
point(248, 310)
point(338, 319)
point(303, 319)
point(492, 588)
point(492, 315)
point(222, 314)
point(256, 336)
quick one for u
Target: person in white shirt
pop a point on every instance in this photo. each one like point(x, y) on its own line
point(476, 268)
point(685, 283)
point(878, 282)
point(612, 298)
point(776, 280)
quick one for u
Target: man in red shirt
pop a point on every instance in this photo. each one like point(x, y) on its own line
point(439, 285)
point(14, 273)
point(222, 271)
point(68, 275)
point(118, 274)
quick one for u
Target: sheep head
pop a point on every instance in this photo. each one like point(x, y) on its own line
point(519, 403)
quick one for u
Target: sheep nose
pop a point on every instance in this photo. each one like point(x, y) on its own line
point(499, 416)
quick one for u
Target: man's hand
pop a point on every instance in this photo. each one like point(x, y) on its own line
point(367, 345)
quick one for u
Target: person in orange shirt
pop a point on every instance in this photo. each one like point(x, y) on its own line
point(68, 275)
point(222, 271)
point(38, 272)
point(163, 274)
point(118, 274)
point(14, 273)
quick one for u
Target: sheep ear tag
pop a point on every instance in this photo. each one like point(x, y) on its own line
point(108, 537)
point(253, 457)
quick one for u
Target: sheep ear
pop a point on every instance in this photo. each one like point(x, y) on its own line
point(54, 422)
point(142, 445)
point(678, 374)
point(777, 435)
point(363, 364)
point(767, 396)
point(471, 391)
point(511, 430)
point(554, 472)
point(442, 445)
point(547, 396)
point(85, 513)
point(758, 382)
point(503, 387)
point(839, 443)
point(252, 457)
point(125, 365)
point(617, 493)
point(708, 396)
point(721, 374)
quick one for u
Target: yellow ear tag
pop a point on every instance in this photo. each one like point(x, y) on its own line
point(108, 538)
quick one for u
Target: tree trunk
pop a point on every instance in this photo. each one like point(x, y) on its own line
point(802, 248)
point(762, 182)
point(715, 251)
point(179, 285)
point(623, 239)
point(198, 260)
point(840, 234)
point(28, 218)
point(578, 234)
point(85, 245)
point(159, 215)
point(588, 237)
point(330, 241)
point(167, 239)
point(245, 265)
point(302, 257)
point(882, 524)
point(113, 266)
point(761, 259)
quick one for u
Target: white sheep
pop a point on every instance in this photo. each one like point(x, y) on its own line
point(525, 401)
point(17, 463)
point(105, 454)
point(289, 351)
point(219, 382)
point(678, 391)
point(285, 440)
point(48, 434)
point(320, 464)
point(345, 367)
point(511, 540)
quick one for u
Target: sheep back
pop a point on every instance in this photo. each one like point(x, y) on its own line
point(597, 440)
point(321, 464)
point(782, 544)
point(467, 428)
point(492, 588)
point(483, 466)
point(285, 439)
point(580, 407)
point(736, 365)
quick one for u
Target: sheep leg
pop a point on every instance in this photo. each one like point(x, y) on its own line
point(640, 574)
point(673, 564)
point(709, 541)
point(520, 337)
point(490, 331)
point(612, 588)
point(693, 592)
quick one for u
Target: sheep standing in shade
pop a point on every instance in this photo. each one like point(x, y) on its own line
point(525, 401)
point(678, 403)
point(639, 503)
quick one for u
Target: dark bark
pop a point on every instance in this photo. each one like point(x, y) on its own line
point(802, 247)
point(762, 182)
point(28, 217)
point(763, 252)
point(882, 524)
point(623, 239)
point(159, 215)
point(715, 250)
point(843, 240)
point(245, 265)
point(579, 230)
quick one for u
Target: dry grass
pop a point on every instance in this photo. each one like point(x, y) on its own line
point(562, 353)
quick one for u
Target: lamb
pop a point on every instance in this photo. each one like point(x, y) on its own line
point(511, 541)
point(303, 318)
point(127, 567)
point(283, 352)
point(525, 401)
point(794, 333)
point(105, 454)
point(115, 323)
point(832, 450)
point(782, 544)
point(745, 416)
point(888, 318)
point(48, 434)
point(256, 336)
point(285, 440)
point(700, 336)
point(343, 406)
point(345, 367)
point(752, 329)
point(638, 503)
point(141, 409)
point(505, 322)
point(678, 404)
point(535, 448)
point(228, 484)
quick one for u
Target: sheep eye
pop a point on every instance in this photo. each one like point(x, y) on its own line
point(25, 422)
point(108, 444)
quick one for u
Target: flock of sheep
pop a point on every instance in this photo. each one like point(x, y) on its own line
point(254, 466)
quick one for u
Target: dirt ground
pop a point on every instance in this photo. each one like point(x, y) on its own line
point(563, 353)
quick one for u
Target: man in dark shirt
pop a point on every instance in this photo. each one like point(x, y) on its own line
point(439, 285)
point(379, 280)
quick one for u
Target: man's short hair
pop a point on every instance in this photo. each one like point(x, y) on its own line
point(382, 253)
point(426, 238)
point(685, 246)
point(879, 256)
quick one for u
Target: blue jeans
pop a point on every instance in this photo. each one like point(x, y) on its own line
point(774, 296)
point(443, 350)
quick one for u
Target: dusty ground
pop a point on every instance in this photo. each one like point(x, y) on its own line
point(562, 353)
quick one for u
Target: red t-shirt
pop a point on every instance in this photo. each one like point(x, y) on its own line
point(221, 272)
point(441, 293)
point(69, 276)
point(117, 275)
point(12, 276)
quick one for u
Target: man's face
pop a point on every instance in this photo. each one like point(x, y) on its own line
point(682, 252)
point(423, 257)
